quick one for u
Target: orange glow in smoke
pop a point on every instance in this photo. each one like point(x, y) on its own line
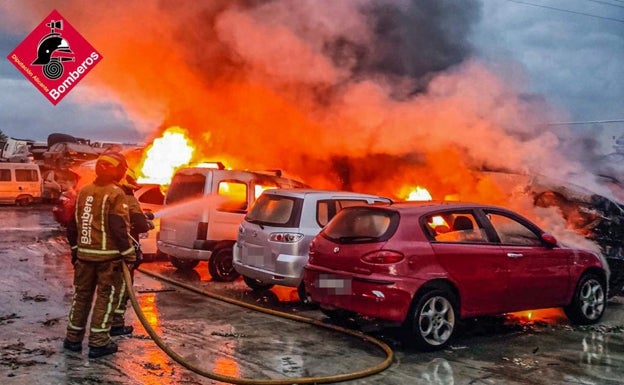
point(165, 155)
point(419, 194)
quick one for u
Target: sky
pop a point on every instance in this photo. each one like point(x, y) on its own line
point(356, 78)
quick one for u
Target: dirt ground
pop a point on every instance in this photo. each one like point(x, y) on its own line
point(536, 348)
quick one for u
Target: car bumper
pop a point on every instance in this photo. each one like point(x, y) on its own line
point(184, 252)
point(377, 297)
point(288, 269)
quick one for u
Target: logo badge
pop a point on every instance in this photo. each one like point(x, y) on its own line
point(336, 249)
point(54, 57)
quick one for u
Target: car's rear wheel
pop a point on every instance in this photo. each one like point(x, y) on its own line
point(589, 301)
point(257, 285)
point(221, 265)
point(183, 264)
point(433, 319)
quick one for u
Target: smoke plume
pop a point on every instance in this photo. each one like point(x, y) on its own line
point(373, 96)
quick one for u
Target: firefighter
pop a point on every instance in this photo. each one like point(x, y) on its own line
point(139, 223)
point(100, 244)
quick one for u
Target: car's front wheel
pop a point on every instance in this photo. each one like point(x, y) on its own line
point(183, 264)
point(221, 265)
point(433, 320)
point(257, 285)
point(589, 301)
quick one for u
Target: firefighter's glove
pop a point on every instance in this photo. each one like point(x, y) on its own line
point(150, 224)
point(149, 215)
point(139, 259)
point(74, 256)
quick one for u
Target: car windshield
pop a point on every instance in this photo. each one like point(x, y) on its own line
point(361, 224)
point(276, 210)
point(185, 186)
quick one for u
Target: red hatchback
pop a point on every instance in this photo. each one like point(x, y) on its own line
point(426, 265)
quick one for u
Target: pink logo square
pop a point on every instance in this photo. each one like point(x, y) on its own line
point(54, 57)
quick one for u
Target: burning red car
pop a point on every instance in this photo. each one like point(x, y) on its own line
point(426, 265)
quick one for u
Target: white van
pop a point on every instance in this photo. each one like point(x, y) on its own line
point(20, 183)
point(203, 209)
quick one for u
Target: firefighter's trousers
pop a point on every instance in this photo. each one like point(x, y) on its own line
point(104, 280)
point(122, 303)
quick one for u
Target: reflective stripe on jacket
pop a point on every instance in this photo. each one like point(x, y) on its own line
point(97, 238)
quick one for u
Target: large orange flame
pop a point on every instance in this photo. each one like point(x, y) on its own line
point(165, 155)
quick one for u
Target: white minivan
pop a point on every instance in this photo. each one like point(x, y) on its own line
point(20, 183)
point(203, 209)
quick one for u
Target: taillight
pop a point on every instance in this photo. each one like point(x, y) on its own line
point(383, 257)
point(285, 237)
point(202, 230)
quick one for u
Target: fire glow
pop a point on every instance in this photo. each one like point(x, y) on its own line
point(419, 194)
point(165, 155)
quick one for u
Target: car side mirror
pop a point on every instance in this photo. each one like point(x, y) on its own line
point(549, 239)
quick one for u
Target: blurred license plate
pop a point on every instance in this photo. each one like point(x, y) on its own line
point(334, 284)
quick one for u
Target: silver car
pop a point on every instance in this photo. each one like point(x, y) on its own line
point(274, 239)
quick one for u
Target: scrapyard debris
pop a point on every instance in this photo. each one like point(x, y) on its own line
point(9, 318)
point(36, 298)
point(12, 355)
point(228, 334)
point(51, 321)
point(598, 219)
point(602, 329)
point(150, 366)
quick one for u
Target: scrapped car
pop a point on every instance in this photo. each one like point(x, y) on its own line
point(204, 207)
point(426, 265)
point(274, 239)
point(591, 215)
point(68, 154)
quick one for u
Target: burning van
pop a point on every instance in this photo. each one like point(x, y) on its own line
point(203, 210)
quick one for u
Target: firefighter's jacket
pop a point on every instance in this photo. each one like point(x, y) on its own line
point(100, 227)
point(138, 221)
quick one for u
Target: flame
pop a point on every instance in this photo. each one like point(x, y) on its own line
point(258, 189)
point(437, 221)
point(550, 316)
point(419, 194)
point(165, 155)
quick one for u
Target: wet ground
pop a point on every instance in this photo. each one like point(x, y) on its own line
point(538, 347)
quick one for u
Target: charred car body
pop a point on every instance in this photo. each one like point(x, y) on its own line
point(594, 216)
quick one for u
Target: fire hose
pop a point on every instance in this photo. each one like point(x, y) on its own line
point(251, 381)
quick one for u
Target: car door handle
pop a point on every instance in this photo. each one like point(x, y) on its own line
point(515, 255)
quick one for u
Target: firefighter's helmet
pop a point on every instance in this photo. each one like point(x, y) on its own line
point(111, 164)
point(48, 46)
point(130, 180)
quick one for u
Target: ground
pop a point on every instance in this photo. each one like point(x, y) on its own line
point(235, 341)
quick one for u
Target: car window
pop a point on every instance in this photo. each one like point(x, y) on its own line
point(5, 175)
point(276, 210)
point(235, 194)
point(512, 232)
point(185, 186)
point(361, 224)
point(326, 209)
point(455, 227)
point(26, 176)
point(152, 196)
